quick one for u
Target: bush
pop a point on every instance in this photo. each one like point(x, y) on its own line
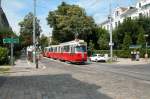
point(123, 53)
point(3, 56)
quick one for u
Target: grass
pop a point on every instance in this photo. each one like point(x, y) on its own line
point(4, 69)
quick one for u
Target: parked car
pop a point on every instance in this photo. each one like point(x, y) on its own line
point(99, 58)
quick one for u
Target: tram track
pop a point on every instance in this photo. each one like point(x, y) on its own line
point(94, 69)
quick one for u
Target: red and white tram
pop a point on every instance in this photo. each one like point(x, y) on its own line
point(73, 51)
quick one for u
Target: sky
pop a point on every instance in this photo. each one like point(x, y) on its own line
point(16, 10)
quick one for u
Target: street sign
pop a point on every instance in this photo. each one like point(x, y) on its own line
point(15, 40)
point(11, 40)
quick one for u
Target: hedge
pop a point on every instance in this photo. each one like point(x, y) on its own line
point(3, 56)
point(122, 53)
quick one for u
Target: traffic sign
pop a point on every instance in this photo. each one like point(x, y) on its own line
point(11, 40)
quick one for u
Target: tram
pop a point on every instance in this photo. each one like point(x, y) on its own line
point(73, 51)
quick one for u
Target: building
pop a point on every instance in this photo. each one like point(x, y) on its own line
point(142, 8)
point(3, 19)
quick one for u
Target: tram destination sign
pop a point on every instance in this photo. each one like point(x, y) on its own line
point(11, 40)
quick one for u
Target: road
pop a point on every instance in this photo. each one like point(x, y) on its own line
point(117, 81)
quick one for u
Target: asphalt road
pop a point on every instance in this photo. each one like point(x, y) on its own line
point(141, 72)
point(116, 81)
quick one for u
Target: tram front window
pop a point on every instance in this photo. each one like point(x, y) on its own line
point(81, 48)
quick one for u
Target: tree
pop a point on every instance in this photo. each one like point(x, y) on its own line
point(126, 41)
point(141, 39)
point(43, 41)
point(68, 21)
point(103, 40)
point(6, 33)
point(26, 30)
point(90, 48)
point(128, 26)
point(144, 22)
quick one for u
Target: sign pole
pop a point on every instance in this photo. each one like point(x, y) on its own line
point(12, 60)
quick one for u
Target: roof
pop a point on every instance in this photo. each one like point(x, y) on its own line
point(130, 10)
point(123, 8)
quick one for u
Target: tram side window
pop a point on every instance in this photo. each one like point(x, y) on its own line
point(51, 49)
point(81, 48)
point(62, 49)
point(72, 49)
point(66, 48)
point(54, 49)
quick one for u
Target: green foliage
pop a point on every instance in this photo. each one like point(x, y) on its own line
point(118, 53)
point(43, 41)
point(123, 53)
point(128, 26)
point(90, 48)
point(126, 41)
point(4, 70)
point(68, 21)
point(54, 42)
point(26, 30)
point(3, 55)
point(137, 27)
point(5, 33)
point(141, 38)
point(103, 40)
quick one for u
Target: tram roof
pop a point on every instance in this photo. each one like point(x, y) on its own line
point(73, 42)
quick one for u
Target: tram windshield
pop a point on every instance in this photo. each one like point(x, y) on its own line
point(81, 48)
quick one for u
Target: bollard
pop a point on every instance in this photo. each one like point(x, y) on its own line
point(37, 65)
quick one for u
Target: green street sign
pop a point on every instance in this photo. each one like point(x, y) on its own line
point(15, 40)
point(11, 40)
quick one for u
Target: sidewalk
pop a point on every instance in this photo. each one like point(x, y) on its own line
point(27, 82)
point(130, 62)
point(23, 62)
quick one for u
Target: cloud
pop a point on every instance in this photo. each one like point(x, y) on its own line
point(17, 9)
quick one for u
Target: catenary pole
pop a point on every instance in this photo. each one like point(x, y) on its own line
point(34, 38)
point(110, 30)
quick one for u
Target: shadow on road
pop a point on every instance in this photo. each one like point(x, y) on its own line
point(62, 86)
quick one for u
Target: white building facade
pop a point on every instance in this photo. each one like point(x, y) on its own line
point(142, 8)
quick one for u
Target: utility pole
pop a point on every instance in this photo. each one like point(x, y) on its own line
point(110, 31)
point(34, 36)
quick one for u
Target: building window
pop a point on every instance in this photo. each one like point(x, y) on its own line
point(140, 14)
point(139, 5)
point(107, 27)
point(116, 24)
point(117, 13)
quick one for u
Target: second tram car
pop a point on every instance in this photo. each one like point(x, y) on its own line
point(73, 51)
